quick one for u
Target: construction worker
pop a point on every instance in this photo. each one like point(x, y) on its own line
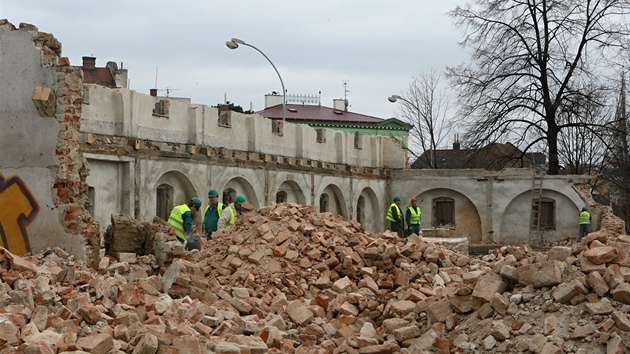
point(212, 214)
point(394, 215)
point(228, 216)
point(182, 219)
point(413, 217)
point(585, 223)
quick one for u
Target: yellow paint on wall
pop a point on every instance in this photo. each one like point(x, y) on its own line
point(18, 208)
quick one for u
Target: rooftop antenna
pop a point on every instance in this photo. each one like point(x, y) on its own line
point(346, 86)
point(156, 69)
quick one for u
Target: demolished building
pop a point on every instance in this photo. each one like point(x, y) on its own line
point(287, 278)
point(74, 153)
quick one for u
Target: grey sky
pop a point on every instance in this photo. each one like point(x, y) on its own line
point(377, 46)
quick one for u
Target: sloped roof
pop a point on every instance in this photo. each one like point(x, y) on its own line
point(100, 76)
point(299, 112)
point(494, 156)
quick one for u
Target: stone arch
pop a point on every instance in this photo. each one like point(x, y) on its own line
point(240, 185)
point(371, 210)
point(467, 220)
point(336, 202)
point(516, 225)
point(172, 188)
point(291, 192)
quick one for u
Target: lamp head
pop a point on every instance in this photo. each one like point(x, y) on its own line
point(231, 44)
point(392, 99)
point(237, 41)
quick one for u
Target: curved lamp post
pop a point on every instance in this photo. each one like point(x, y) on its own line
point(234, 43)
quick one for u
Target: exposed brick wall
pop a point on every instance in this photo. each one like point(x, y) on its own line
point(70, 188)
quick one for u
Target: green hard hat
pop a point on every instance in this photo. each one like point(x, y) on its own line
point(213, 193)
point(197, 202)
point(240, 199)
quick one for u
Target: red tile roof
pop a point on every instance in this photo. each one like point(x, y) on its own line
point(100, 76)
point(316, 113)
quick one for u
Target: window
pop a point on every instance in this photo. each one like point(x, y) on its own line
point(361, 209)
point(229, 195)
point(323, 203)
point(225, 119)
point(443, 212)
point(358, 141)
point(321, 135)
point(163, 203)
point(546, 214)
point(89, 204)
point(162, 108)
point(281, 197)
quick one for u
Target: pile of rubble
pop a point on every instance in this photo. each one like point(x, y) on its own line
point(286, 279)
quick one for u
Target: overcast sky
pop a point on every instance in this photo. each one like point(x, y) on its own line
point(374, 46)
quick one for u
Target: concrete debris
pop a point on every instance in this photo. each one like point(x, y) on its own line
point(286, 279)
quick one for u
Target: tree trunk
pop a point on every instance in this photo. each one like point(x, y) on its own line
point(552, 141)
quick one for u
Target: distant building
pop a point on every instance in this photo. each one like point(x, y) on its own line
point(494, 156)
point(109, 76)
point(307, 109)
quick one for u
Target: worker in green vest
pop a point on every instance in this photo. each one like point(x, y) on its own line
point(585, 223)
point(212, 214)
point(228, 217)
point(413, 217)
point(181, 218)
point(394, 215)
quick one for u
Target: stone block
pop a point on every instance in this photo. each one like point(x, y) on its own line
point(487, 285)
point(45, 101)
point(299, 313)
point(559, 253)
point(543, 274)
point(566, 291)
point(600, 255)
point(622, 293)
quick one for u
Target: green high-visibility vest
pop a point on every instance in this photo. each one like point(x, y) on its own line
point(585, 218)
point(232, 217)
point(177, 221)
point(415, 215)
point(389, 216)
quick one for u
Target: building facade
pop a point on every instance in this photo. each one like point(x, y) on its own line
point(74, 153)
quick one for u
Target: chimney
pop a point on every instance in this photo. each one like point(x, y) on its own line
point(340, 104)
point(89, 62)
point(153, 92)
point(456, 142)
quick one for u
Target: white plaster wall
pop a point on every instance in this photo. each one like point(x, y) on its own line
point(491, 206)
point(373, 191)
point(298, 185)
point(21, 125)
point(128, 113)
point(112, 178)
point(189, 180)
point(28, 141)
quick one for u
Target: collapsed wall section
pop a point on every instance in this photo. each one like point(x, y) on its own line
point(42, 170)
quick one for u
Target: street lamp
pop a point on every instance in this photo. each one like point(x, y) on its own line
point(233, 44)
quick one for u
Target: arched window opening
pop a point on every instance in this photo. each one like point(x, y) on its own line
point(323, 203)
point(361, 209)
point(163, 200)
point(281, 197)
point(443, 212)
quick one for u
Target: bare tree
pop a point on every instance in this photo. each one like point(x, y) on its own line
point(618, 173)
point(531, 58)
point(582, 149)
point(424, 106)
